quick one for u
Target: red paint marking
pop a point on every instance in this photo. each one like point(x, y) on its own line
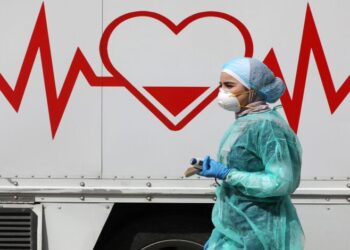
point(310, 42)
point(39, 41)
point(176, 29)
point(175, 99)
point(56, 104)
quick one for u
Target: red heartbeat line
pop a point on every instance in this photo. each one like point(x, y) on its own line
point(310, 42)
point(57, 104)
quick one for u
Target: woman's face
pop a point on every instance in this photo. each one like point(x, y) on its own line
point(229, 84)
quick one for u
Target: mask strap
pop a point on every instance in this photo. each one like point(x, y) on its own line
point(251, 95)
point(245, 92)
point(248, 107)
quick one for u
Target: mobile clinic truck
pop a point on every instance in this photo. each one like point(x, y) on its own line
point(103, 103)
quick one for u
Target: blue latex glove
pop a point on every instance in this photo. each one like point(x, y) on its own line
point(211, 168)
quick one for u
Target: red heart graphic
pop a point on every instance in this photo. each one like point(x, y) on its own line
point(176, 29)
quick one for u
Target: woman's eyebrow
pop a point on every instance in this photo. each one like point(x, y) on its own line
point(228, 82)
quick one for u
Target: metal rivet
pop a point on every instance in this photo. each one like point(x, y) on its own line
point(82, 184)
point(149, 198)
point(42, 198)
point(49, 176)
point(82, 198)
point(16, 176)
point(82, 177)
point(328, 208)
point(32, 176)
point(59, 207)
point(148, 177)
point(332, 178)
point(348, 185)
point(327, 199)
point(165, 177)
point(115, 177)
point(348, 199)
point(15, 197)
point(315, 178)
point(106, 198)
point(98, 176)
point(107, 207)
point(148, 184)
point(214, 198)
point(132, 177)
point(66, 176)
point(15, 183)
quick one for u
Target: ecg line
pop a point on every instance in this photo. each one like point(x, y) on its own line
point(310, 42)
point(56, 104)
point(39, 41)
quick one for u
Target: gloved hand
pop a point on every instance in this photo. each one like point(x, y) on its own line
point(211, 168)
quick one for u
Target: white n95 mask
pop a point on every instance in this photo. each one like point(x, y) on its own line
point(228, 101)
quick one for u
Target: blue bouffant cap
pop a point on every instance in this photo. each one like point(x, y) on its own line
point(254, 74)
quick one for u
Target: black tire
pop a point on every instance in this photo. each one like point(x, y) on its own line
point(163, 233)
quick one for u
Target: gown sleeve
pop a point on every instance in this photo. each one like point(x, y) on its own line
point(279, 152)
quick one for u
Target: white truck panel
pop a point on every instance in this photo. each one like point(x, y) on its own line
point(109, 147)
point(27, 148)
point(147, 148)
point(323, 227)
point(73, 226)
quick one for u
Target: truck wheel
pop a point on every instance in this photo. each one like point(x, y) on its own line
point(174, 244)
point(163, 233)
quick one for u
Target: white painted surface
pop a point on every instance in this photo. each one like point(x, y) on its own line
point(27, 147)
point(128, 140)
point(73, 226)
point(325, 226)
point(147, 53)
point(107, 132)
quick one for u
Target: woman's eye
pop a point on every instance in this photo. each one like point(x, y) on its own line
point(227, 85)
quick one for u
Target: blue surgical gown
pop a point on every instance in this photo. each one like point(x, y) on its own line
point(253, 209)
